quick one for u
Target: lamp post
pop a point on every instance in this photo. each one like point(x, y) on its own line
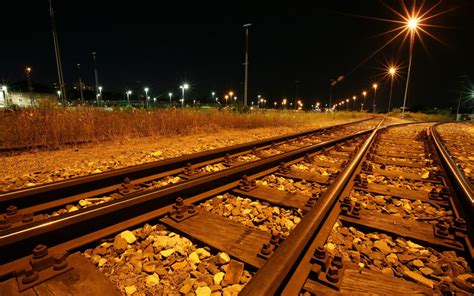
point(5, 100)
point(364, 94)
point(375, 94)
point(129, 92)
point(183, 87)
point(80, 83)
point(146, 95)
point(347, 101)
point(100, 96)
point(412, 25)
point(170, 95)
point(59, 95)
point(213, 94)
point(391, 71)
point(354, 98)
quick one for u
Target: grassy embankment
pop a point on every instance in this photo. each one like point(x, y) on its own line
point(55, 127)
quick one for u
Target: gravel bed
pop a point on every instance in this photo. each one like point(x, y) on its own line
point(400, 182)
point(419, 171)
point(458, 139)
point(155, 261)
point(254, 214)
point(289, 185)
point(401, 258)
point(309, 167)
point(399, 207)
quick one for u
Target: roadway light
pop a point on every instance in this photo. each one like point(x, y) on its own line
point(59, 95)
point(412, 24)
point(170, 95)
point(392, 71)
point(183, 87)
point(375, 95)
point(146, 95)
point(129, 92)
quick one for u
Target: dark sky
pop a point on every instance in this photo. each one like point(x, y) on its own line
point(160, 44)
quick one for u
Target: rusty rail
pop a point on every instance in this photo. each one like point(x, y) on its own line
point(460, 182)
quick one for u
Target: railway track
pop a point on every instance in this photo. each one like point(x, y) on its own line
point(257, 224)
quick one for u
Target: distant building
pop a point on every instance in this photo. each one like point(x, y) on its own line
point(18, 94)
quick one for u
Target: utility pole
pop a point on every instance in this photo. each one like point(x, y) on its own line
point(97, 95)
point(80, 83)
point(59, 67)
point(246, 26)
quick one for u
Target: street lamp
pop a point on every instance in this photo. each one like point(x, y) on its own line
point(364, 93)
point(392, 72)
point(347, 101)
point(183, 87)
point(146, 95)
point(412, 26)
point(375, 94)
point(354, 98)
point(59, 95)
point(170, 95)
point(226, 97)
point(129, 92)
point(100, 100)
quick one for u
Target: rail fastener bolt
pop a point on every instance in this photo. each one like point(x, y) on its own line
point(30, 275)
point(40, 251)
point(12, 210)
point(266, 249)
point(60, 261)
point(320, 252)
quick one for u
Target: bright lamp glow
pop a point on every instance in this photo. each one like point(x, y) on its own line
point(392, 71)
point(186, 86)
point(412, 24)
point(375, 85)
point(146, 89)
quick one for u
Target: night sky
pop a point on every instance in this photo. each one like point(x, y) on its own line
point(161, 44)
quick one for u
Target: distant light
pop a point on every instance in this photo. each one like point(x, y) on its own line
point(213, 93)
point(347, 100)
point(146, 89)
point(4, 88)
point(170, 94)
point(412, 24)
point(100, 88)
point(129, 92)
point(59, 92)
point(354, 98)
point(375, 85)
point(364, 93)
point(186, 86)
point(392, 71)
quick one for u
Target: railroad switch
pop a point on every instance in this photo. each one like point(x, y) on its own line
point(326, 270)
point(42, 267)
point(247, 185)
point(182, 211)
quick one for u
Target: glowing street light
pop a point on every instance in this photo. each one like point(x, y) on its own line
point(226, 97)
point(100, 100)
point(59, 95)
point(146, 95)
point(183, 87)
point(128, 92)
point(170, 95)
point(375, 94)
point(347, 101)
point(392, 71)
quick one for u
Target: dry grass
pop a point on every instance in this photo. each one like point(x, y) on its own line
point(56, 127)
point(422, 116)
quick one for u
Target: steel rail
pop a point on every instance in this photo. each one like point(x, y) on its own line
point(57, 190)
point(462, 184)
point(19, 241)
point(269, 278)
